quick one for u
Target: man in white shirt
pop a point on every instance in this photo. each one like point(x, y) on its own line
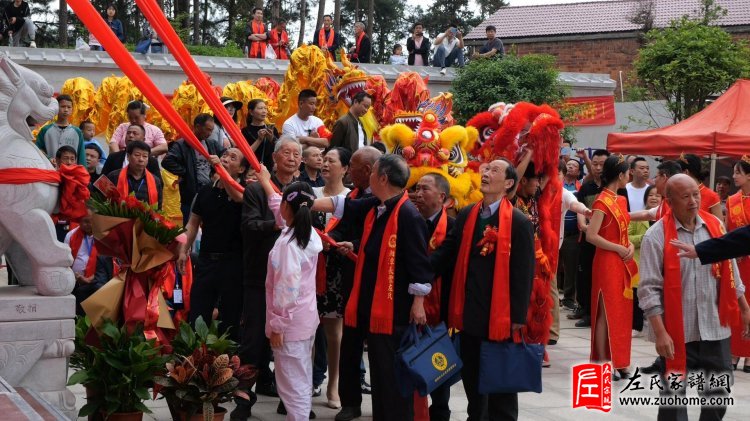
point(637, 188)
point(304, 125)
point(449, 48)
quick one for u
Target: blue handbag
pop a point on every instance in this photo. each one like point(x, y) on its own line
point(427, 361)
point(510, 367)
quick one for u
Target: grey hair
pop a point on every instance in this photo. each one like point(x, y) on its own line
point(395, 168)
point(284, 139)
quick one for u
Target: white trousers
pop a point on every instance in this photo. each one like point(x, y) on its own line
point(28, 30)
point(293, 369)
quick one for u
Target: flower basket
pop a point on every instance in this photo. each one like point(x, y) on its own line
point(145, 243)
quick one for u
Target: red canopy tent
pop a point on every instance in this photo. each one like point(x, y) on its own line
point(722, 128)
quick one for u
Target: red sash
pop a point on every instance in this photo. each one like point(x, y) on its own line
point(320, 272)
point(662, 210)
point(359, 43)
point(381, 315)
point(123, 187)
point(76, 239)
point(280, 51)
point(432, 301)
point(258, 48)
point(608, 198)
point(737, 215)
point(722, 271)
point(322, 41)
point(500, 308)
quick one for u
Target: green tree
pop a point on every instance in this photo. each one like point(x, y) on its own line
point(489, 7)
point(444, 13)
point(532, 78)
point(688, 62)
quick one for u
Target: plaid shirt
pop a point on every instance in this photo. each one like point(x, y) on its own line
point(700, 295)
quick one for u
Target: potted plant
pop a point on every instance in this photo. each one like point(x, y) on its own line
point(198, 383)
point(120, 369)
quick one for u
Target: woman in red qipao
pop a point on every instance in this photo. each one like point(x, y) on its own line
point(738, 215)
point(613, 269)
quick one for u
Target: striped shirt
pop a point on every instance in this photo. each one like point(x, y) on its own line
point(700, 293)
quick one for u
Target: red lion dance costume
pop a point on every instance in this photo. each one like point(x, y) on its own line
point(520, 127)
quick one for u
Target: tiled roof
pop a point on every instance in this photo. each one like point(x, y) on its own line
point(596, 17)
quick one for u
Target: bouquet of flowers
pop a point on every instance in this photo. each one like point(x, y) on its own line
point(146, 244)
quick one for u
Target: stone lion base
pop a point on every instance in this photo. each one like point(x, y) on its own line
point(36, 339)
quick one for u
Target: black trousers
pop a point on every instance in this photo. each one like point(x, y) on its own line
point(498, 406)
point(387, 402)
point(439, 408)
point(569, 265)
point(352, 349)
point(707, 357)
point(254, 346)
point(218, 279)
point(583, 277)
point(637, 312)
point(320, 361)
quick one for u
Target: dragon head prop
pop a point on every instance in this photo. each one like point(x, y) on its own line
point(410, 99)
point(432, 150)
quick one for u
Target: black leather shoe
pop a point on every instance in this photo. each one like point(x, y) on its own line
point(654, 368)
point(584, 322)
point(348, 413)
point(281, 410)
point(552, 342)
point(578, 314)
point(240, 413)
point(268, 389)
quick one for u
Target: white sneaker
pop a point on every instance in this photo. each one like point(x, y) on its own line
point(442, 71)
point(32, 44)
point(637, 334)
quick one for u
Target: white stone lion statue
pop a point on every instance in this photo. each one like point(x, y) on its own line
point(27, 235)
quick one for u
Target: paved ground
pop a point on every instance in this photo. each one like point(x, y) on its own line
point(553, 404)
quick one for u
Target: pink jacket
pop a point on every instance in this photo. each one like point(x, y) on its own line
point(291, 304)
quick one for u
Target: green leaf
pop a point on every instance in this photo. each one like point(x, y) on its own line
point(141, 407)
point(208, 411)
point(88, 409)
point(78, 377)
point(142, 393)
point(200, 328)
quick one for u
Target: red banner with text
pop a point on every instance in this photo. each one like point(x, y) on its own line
point(589, 111)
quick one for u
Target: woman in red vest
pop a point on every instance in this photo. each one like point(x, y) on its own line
point(738, 215)
point(613, 269)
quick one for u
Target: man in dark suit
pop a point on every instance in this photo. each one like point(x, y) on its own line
point(391, 279)
point(731, 245)
point(348, 131)
point(118, 160)
point(193, 168)
point(259, 233)
point(479, 314)
point(351, 365)
point(327, 39)
point(431, 195)
point(362, 49)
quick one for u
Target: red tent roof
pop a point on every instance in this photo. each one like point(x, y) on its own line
point(722, 128)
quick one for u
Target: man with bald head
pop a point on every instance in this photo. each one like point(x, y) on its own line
point(690, 307)
point(473, 309)
point(351, 366)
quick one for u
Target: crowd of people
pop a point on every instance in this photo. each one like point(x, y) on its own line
point(271, 41)
point(285, 294)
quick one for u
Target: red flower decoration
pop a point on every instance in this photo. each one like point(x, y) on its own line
point(134, 204)
point(488, 241)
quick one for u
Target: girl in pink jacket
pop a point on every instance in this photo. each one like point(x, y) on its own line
point(291, 305)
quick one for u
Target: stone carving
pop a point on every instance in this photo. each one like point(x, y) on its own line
point(27, 235)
